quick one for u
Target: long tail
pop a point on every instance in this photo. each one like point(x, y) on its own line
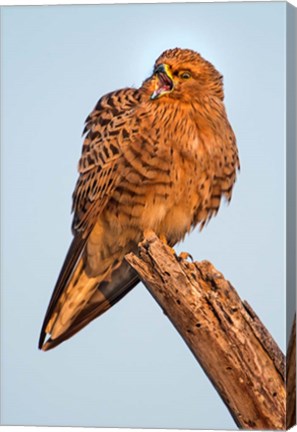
point(78, 299)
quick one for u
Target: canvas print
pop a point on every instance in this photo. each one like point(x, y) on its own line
point(149, 216)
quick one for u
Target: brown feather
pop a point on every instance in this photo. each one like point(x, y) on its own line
point(71, 259)
point(160, 157)
point(123, 280)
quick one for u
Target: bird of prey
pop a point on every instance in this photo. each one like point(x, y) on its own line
point(160, 157)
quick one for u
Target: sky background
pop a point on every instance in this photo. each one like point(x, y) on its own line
point(129, 368)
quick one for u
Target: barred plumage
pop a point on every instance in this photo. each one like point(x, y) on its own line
point(160, 157)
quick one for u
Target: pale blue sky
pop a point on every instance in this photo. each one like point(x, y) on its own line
point(130, 367)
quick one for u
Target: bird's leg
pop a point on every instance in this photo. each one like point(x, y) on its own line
point(148, 233)
point(182, 256)
point(163, 239)
point(185, 256)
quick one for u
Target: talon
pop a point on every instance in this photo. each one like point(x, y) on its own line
point(185, 256)
point(164, 240)
point(148, 233)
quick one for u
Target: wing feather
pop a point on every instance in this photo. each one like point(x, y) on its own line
point(123, 280)
point(72, 257)
point(99, 173)
point(102, 156)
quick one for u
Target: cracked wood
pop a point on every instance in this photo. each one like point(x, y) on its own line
point(225, 335)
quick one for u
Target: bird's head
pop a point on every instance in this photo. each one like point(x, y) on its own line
point(184, 75)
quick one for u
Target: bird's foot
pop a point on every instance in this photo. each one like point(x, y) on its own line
point(164, 240)
point(184, 256)
point(148, 233)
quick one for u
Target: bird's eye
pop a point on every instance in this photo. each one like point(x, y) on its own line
point(185, 75)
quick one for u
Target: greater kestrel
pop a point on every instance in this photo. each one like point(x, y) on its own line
point(160, 157)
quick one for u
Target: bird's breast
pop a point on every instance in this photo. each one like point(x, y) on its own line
point(167, 181)
point(166, 199)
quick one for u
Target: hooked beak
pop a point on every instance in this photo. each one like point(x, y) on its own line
point(164, 81)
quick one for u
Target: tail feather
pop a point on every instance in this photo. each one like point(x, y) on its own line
point(73, 255)
point(74, 298)
point(104, 296)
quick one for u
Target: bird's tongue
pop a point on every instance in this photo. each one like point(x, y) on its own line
point(165, 81)
point(164, 85)
point(162, 88)
point(158, 91)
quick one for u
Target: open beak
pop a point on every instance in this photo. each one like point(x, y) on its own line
point(164, 81)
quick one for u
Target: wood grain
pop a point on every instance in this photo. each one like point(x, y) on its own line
point(291, 378)
point(236, 351)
